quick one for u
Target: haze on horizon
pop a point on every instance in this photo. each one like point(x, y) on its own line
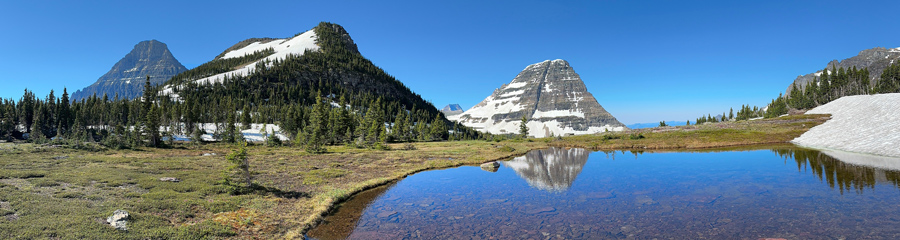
point(643, 61)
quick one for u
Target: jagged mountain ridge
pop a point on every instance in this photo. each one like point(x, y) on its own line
point(551, 96)
point(126, 78)
point(875, 59)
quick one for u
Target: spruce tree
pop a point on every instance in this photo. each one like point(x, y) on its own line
point(315, 142)
point(438, 128)
point(245, 117)
point(523, 127)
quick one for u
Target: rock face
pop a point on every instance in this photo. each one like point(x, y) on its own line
point(128, 75)
point(552, 169)
point(875, 59)
point(452, 109)
point(553, 99)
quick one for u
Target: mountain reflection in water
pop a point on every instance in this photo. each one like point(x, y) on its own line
point(779, 191)
point(552, 169)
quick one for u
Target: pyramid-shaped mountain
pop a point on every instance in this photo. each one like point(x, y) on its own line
point(553, 99)
point(126, 78)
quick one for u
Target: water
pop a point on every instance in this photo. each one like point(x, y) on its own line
point(777, 192)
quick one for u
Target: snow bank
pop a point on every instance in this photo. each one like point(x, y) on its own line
point(863, 124)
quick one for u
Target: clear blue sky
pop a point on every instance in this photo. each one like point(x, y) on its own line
point(644, 61)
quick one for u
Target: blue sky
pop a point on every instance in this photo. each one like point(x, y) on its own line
point(644, 61)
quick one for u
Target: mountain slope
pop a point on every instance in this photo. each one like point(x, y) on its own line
point(278, 80)
point(875, 59)
point(452, 109)
point(126, 78)
point(553, 99)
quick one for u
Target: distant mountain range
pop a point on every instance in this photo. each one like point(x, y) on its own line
point(553, 99)
point(656, 124)
point(126, 78)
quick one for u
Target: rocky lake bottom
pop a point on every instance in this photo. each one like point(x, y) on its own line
point(774, 192)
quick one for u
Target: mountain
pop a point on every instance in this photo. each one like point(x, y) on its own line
point(553, 169)
point(127, 76)
point(452, 109)
point(553, 99)
point(876, 60)
point(284, 81)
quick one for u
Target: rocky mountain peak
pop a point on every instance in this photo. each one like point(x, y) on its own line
point(126, 78)
point(550, 95)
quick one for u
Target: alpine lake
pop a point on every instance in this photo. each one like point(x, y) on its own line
point(776, 191)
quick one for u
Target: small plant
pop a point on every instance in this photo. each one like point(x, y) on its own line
point(237, 176)
point(409, 146)
point(507, 149)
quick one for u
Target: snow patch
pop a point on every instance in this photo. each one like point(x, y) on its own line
point(557, 113)
point(283, 48)
point(863, 124)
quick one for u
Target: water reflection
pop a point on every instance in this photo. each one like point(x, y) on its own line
point(551, 169)
point(845, 171)
point(773, 192)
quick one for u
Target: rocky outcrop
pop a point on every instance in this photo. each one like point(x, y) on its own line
point(119, 220)
point(126, 78)
point(553, 99)
point(552, 169)
point(452, 109)
point(875, 59)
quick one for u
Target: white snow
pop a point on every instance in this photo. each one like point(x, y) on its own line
point(863, 124)
point(253, 134)
point(131, 70)
point(515, 85)
point(557, 113)
point(283, 47)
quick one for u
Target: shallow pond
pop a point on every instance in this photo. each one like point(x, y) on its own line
point(775, 192)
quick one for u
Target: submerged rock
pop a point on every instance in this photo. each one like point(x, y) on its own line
point(119, 220)
point(490, 167)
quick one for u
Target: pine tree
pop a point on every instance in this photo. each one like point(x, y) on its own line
point(245, 117)
point(63, 115)
point(317, 127)
point(238, 175)
point(438, 128)
point(151, 127)
point(523, 127)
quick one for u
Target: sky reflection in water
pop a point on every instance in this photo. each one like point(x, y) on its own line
point(782, 192)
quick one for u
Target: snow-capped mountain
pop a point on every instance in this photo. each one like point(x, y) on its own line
point(127, 76)
point(452, 109)
point(552, 98)
point(875, 59)
point(552, 169)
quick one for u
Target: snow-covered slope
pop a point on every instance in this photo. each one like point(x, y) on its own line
point(550, 95)
point(283, 47)
point(862, 124)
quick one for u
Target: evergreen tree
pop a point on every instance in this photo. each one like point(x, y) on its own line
point(523, 127)
point(151, 127)
point(438, 128)
point(245, 117)
point(238, 174)
point(63, 115)
point(315, 142)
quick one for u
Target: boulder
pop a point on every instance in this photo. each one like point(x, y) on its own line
point(490, 167)
point(169, 179)
point(119, 220)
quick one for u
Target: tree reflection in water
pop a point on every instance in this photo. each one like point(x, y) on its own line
point(846, 172)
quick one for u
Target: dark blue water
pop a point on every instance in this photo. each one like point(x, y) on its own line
point(779, 192)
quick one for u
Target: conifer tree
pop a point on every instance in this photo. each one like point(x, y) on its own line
point(317, 127)
point(523, 127)
point(63, 115)
point(245, 117)
point(438, 128)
